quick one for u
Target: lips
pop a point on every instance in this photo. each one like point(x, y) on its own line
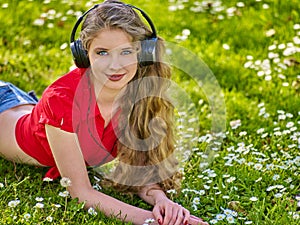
point(115, 77)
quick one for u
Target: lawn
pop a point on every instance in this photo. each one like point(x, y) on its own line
point(237, 87)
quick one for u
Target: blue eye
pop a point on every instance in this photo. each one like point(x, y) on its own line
point(126, 52)
point(102, 53)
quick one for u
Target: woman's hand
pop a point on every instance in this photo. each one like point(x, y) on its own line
point(196, 221)
point(167, 212)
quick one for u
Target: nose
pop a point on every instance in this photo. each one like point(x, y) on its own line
point(115, 63)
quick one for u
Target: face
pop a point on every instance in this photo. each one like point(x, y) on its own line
point(113, 59)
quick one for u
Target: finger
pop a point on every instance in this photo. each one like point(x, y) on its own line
point(196, 218)
point(180, 216)
point(170, 213)
point(186, 216)
point(204, 223)
point(197, 221)
point(158, 216)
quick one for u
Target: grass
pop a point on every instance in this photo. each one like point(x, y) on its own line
point(251, 173)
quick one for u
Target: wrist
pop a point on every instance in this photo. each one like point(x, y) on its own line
point(152, 194)
point(159, 196)
point(146, 218)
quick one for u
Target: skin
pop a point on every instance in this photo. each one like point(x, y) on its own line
point(110, 53)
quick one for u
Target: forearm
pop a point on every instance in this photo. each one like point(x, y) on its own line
point(80, 187)
point(112, 207)
point(152, 194)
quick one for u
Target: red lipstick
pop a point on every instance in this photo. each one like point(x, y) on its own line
point(115, 77)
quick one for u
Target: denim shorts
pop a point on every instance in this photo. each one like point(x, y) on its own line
point(11, 96)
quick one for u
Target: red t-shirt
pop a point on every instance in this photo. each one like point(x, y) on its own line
point(69, 104)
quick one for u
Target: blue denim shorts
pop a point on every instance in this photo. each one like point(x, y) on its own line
point(11, 96)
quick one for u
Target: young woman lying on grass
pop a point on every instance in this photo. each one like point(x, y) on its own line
point(106, 108)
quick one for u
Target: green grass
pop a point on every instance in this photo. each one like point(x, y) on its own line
point(255, 166)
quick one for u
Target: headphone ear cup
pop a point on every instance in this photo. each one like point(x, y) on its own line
point(147, 55)
point(80, 56)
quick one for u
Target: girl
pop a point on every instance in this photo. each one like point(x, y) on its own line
point(105, 109)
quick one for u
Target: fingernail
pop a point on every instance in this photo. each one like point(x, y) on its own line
point(159, 222)
point(186, 222)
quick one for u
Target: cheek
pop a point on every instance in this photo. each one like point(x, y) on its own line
point(128, 60)
point(131, 62)
point(97, 60)
point(132, 69)
point(98, 67)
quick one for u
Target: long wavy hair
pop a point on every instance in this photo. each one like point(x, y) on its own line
point(145, 126)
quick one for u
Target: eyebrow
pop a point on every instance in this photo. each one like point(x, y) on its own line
point(106, 49)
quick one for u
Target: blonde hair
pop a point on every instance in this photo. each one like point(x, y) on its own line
point(138, 120)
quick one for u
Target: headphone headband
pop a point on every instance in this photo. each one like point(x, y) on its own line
point(79, 21)
point(154, 35)
point(147, 19)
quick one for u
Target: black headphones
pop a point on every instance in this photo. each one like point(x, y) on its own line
point(145, 57)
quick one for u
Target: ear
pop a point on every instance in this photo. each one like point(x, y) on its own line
point(80, 55)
